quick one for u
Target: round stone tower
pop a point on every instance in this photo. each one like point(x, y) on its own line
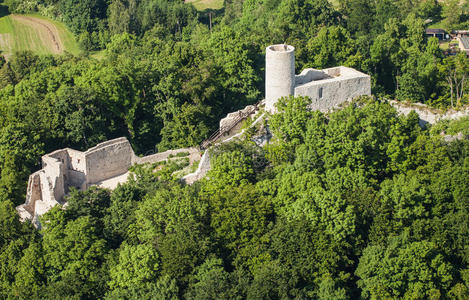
point(279, 74)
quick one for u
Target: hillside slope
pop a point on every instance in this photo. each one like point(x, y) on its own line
point(35, 33)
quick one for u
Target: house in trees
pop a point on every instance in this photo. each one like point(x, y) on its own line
point(460, 33)
point(464, 44)
point(440, 34)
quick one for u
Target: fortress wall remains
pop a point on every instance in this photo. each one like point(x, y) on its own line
point(59, 155)
point(34, 192)
point(428, 114)
point(308, 75)
point(48, 194)
point(202, 169)
point(77, 160)
point(336, 71)
point(108, 143)
point(108, 160)
point(162, 155)
point(53, 183)
point(329, 93)
point(75, 179)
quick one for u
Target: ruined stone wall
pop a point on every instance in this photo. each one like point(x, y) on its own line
point(202, 169)
point(34, 192)
point(61, 155)
point(162, 155)
point(108, 159)
point(77, 160)
point(308, 75)
point(428, 114)
point(53, 183)
point(329, 93)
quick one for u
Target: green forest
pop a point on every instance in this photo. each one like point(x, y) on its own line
point(360, 203)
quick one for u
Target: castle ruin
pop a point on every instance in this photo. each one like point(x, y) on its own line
point(327, 88)
point(105, 165)
point(108, 163)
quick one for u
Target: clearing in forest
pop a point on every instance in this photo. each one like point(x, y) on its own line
point(35, 33)
point(206, 4)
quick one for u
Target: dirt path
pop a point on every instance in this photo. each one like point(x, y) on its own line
point(50, 34)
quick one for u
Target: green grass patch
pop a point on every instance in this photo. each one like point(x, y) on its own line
point(335, 3)
point(446, 45)
point(436, 25)
point(179, 154)
point(67, 37)
point(201, 5)
point(99, 55)
point(24, 32)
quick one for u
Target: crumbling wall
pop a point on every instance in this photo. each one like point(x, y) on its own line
point(77, 160)
point(60, 155)
point(34, 192)
point(308, 75)
point(108, 159)
point(163, 155)
point(428, 114)
point(202, 169)
point(329, 93)
point(53, 183)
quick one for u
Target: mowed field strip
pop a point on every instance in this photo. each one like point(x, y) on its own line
point(38, 34)
point(206, 4)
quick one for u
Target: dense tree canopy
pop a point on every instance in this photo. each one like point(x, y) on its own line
point(360, 202)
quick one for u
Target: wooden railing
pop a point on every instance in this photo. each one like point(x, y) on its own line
point(227, 128)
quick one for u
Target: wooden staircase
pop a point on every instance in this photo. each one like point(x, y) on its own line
point(227, 128)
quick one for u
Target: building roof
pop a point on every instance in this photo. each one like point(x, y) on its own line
point(465, 41)
point(434, 30)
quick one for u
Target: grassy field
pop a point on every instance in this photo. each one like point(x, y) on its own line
point(206, 4)
point(445, 45)
point(36, 33)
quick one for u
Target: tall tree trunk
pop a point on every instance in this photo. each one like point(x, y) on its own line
point(450, 81)
point(456, 83)
point(461, 91)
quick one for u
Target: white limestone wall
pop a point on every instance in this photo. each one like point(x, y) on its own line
point(108, 159)
point(163, 155)
point(77, 160)
point(202, 169)
point(329, 93)
point(34, 193)
point(428, 114)
point(279, 74)
point(308, 75)
point(61, 155)
point(52, 181)
point(231, 117)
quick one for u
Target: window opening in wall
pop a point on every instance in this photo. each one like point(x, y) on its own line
point(320, 93)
